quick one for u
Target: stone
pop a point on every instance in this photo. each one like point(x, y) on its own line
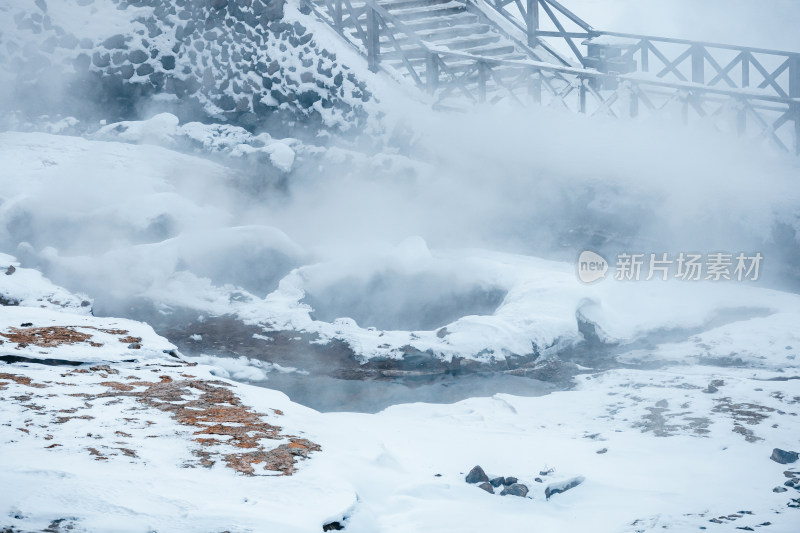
point(10, 270)
point(115, 42)
point(487, 487)
point(101, 60)
point(308, 98)
point(477, 475)
point(510, 480)
point(779, 489)
point(496, 482)
point(145, 69)
point(557, 488)
point(137, 56)
point(515, 489)
point(783, 457)
point(168, 62)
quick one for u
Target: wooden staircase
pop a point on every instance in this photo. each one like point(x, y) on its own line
point(466, 51)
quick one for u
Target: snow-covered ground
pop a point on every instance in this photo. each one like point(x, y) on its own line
point(119, 444)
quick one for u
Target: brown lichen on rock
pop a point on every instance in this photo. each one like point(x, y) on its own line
point(19, 380)
point(220, 418)
point(47, 337)
point(97, 455)
point(116, 385)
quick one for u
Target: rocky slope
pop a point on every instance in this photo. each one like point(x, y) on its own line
point(247, 62)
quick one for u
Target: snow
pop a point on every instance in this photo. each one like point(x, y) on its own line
point(678, 438)
point(677, 454)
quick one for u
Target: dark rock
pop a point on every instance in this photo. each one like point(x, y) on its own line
point(26, 324)
point(496, 482)
point(137, 56)
point(226, 102)
point(134, 346)
point(538, 480)
point(86, 303)
point(601, 451)
point(219, 4)
point(145, 69)
point(783, 457)
point(115, 42)
point(168, 62)
point(779, 489)
point(477, 475)
point(333, 526)
point(308, 98)
point(126, 71)
point(556, 488)
point(273, 11)
point(510, 480)
point(101, 60)
point(515, 489)
point(10, 270)
point(487, 487)
point(8, 302)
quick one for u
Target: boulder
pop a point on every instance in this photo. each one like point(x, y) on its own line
point(477, 475)
point(562, 486)
point(487, 487)
point(783, 457)
point(515, 489)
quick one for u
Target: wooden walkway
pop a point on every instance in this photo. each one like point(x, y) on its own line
point(461, 52)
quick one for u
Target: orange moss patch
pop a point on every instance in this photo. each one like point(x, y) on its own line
point(63, 419)
point(116, 385)
point(97, 455)
point(130, 340)
point(47, 337)
point(220, 418)
point(20, 380)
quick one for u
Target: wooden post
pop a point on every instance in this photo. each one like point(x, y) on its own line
point(794, 92)
point(745, 69)
point(633, 103)
point(645, 50)
point(373, 39)
point(698, 64)
point(481, 82)
point(431, 72)
point(741, 117)
point(532, 21)
point(337, 15)
point(535, 85)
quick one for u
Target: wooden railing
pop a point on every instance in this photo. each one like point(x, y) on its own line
point(752, 91)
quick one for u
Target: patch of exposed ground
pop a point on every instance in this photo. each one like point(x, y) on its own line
point(749, 414)
point(221, 428)
point(47, 337)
